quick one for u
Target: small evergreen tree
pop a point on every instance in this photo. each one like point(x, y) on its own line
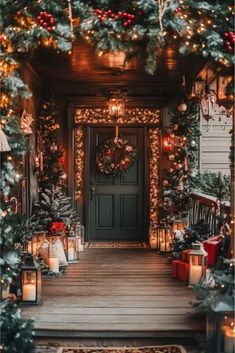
point(54, 206)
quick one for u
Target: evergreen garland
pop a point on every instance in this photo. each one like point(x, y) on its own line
point(222, 291)
point(16, 333)
point(50, 154)
point(182, 163)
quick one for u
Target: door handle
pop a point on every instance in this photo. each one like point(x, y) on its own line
point(92, 190)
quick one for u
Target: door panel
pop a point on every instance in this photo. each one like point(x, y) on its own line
point(116, 202)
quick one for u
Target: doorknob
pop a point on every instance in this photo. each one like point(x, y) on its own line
point(92, 190)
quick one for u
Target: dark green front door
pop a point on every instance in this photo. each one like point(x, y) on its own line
point(116, 203)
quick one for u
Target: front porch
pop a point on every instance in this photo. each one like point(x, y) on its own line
point(118, 294)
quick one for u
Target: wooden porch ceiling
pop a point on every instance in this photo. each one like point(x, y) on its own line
point(85, 73)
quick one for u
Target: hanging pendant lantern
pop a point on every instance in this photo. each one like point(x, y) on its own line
point(116, 104)
point(4, 145)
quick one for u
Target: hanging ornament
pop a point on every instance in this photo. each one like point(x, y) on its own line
point(165, 182)
point(180, 186)
point(193, 172)
point(4, 145)
point(53, 147)
point(193, 143)
point(182, 107)
point(26, 122)
point(171, 157)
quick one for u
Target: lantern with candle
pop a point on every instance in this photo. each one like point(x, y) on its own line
point(179, 224)
point(32, 245)
point(164, 237)
point(72, 255)
point(31, 281)
point(220, 328)
point(167, 143)
point(80, 233)
point(116, 103)
point(197, 263)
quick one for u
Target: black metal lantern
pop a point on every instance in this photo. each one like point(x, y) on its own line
point(31, 281)
point(220, 328)
point(164, 238)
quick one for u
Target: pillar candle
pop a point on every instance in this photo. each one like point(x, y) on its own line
point(196, 274)
point(71, 254)
point(29, 292)
point(229, 341)
point(54, 264)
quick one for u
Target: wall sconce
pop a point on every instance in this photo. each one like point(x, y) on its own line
point(116, 103)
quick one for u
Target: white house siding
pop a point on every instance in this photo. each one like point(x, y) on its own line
point(215, 145)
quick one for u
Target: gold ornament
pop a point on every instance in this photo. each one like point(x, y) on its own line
point(182, 107)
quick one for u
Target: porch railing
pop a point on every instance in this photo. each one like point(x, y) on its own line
point(206, 207)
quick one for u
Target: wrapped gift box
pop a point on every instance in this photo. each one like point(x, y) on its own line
point(57, 227)
point(175, 268)
point(185, 255)
point(183, 271)
point(212, 246)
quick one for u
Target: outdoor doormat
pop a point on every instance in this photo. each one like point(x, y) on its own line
point(153, 349)
point(116, 244)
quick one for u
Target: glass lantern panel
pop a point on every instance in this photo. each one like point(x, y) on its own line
point(197, 260)
point(71, 249)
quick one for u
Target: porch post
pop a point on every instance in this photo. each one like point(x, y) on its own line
point(232, 172)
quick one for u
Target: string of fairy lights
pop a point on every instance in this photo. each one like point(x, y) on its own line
point(132, 116)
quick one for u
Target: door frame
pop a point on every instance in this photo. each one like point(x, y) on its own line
point(154, 113)
point(145, 177)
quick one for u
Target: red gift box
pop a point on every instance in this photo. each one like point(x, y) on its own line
point(212, 246)
point(183, 271)
point(185, 255)
point(175, 268)
point(57, 227)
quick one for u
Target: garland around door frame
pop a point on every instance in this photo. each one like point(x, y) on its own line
point(137, 116)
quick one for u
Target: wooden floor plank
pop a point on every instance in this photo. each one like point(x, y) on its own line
point(115, 290)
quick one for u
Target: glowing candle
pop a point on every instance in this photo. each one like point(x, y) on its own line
point(54, 264)
point(29, 292)
point(71, 253)
point(229, 340)
point(196, 274)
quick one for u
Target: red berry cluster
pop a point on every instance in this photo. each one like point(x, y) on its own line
point(229, 40)
point(46, 20)
point(126, 18)
point(178, 10)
